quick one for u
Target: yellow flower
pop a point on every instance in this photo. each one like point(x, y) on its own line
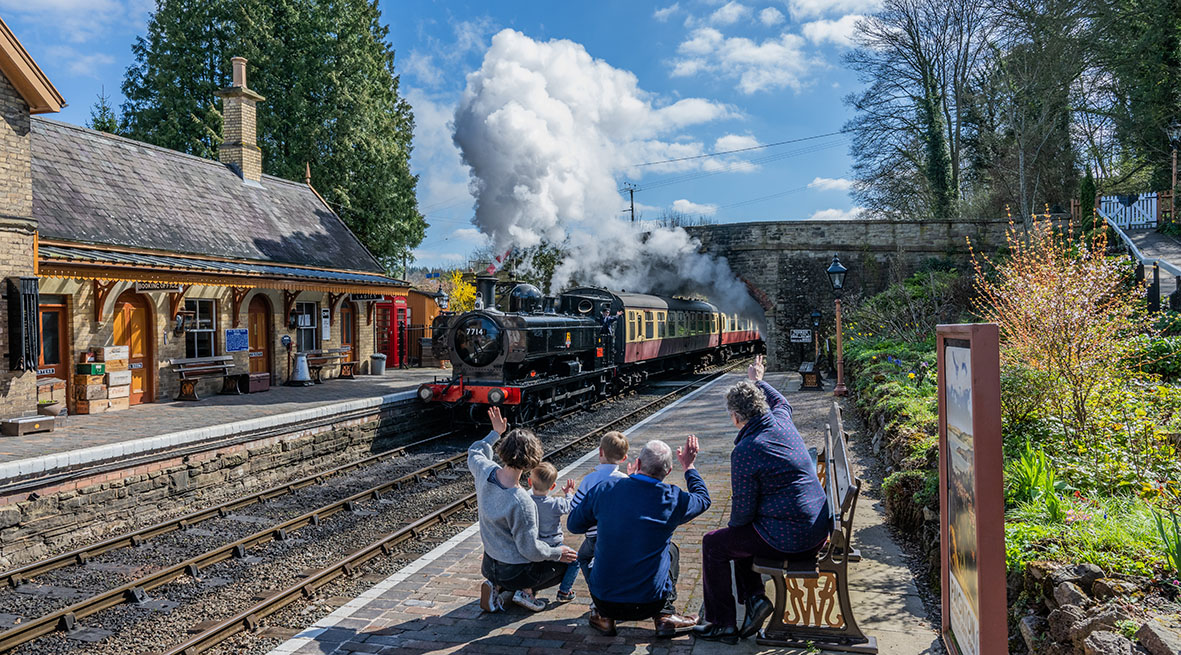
point(910, 375)
point(1140, 412)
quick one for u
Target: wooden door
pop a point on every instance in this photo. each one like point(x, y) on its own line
point(52, 362)
point(259, 325)
point(348, 328)
point(133, 328)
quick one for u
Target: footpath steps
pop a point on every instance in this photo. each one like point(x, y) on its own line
point(431, 606)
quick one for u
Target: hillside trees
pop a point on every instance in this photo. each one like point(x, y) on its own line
point(331, 92)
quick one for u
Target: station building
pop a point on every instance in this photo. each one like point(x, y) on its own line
point(171, 255)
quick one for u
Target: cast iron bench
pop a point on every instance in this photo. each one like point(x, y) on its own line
point(318, 359)
point(812, 606)
point(192, 369)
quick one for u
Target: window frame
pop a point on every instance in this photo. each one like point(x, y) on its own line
point(314, 329)
point(195, 330)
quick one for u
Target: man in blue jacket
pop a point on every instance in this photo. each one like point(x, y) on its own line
point(636, 563)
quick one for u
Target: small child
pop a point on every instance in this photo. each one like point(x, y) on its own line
point(612, 453)
point(543, 479)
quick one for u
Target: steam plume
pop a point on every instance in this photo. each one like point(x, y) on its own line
point(548, 131)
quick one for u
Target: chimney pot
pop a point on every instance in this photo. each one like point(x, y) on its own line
point(239, 71)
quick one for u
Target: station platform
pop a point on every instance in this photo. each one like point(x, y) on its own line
point(155, 426)
point(432, 604)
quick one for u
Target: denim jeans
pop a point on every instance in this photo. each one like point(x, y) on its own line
point(571, 576)
point(514, 577)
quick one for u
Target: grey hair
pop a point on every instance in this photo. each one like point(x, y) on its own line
point(747, 401)
point(656, 459)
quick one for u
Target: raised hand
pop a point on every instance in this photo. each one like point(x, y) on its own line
point(499, 425)
point(569, 487)
point(633, 466)
point(687, 454)
point(755, 371)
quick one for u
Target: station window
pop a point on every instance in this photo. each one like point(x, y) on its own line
point(306, 323)
point(199, 340)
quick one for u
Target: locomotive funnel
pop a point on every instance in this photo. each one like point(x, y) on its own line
point(486, 288)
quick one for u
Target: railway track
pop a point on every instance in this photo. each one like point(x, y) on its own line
point(135, 592)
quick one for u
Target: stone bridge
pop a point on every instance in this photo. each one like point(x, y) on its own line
point(784, 263)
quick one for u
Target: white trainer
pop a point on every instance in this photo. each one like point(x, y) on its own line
point(528, 601)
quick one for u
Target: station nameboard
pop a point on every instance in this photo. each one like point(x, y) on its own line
point(158, 287)
point(363, 297)
point(801, 336)
point(971, 491)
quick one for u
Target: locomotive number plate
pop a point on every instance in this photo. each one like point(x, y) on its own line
point(475, 332)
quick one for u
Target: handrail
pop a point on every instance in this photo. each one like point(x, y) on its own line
point(1134, 251)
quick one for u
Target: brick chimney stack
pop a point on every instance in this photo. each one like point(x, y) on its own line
point(239, 146)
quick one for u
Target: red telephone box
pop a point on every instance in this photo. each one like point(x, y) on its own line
point(392, 319)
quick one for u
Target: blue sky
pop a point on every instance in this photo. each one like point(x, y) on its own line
point(763, 72)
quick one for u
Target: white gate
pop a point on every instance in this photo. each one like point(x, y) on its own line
point(1132, 211)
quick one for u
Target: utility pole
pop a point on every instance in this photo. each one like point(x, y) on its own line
point(631, 191)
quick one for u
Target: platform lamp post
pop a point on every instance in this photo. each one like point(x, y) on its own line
point(1174, 131)
point(836, 277)
point(816, 335)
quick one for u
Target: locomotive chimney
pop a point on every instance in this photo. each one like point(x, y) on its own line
point(486, 288)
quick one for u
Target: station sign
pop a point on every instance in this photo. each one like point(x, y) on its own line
point(365, 297)
point(237, 340)
point(801, 336)
point(158, 287)
point(971, 490)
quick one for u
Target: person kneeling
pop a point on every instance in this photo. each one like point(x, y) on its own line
point(636, 563)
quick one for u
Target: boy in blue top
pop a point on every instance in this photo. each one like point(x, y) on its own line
point(636, 563)
point(550, 510)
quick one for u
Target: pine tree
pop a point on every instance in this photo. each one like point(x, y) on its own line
point(331, 92)
point(102, 115)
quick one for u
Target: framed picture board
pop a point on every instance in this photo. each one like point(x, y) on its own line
point(971, 490)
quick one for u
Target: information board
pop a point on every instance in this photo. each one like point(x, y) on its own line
point(971, 492)
point(237, 340)
point(801, 336)
point(325, 324)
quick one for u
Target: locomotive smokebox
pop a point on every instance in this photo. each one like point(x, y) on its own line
point(486, 288)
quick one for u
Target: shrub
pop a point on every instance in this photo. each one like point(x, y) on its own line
point(1170, 536)
point(1156, 356)
point(911, 309)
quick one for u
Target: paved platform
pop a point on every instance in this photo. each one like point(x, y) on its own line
point(151, 426)
point(1155, 245)
point(431, 606)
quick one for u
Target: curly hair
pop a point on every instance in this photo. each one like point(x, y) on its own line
point(520, 449)
point(746, 401)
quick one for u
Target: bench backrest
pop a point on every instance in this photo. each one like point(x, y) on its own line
point(838, 461)
point(200, 361)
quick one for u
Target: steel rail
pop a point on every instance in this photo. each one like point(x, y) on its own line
point(252, 617)
point(67, 618)
point(81, 555)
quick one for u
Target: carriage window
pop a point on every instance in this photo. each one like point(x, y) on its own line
point(649, 326)
point(660, 324)
point(631, 326)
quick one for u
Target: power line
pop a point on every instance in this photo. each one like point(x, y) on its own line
point(730, 152)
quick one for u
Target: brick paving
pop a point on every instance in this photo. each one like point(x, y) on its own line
point(154, 419)
point(431, 606)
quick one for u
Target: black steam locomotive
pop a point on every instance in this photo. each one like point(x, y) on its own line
point(536, 356)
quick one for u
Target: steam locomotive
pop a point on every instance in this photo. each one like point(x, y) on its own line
point(536, 356)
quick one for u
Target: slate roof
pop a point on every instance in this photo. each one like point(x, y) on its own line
point(92, 187)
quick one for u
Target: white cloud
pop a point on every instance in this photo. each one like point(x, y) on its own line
point(729, 13)
point(735, 142)
point(758, 65)
point(469, 234)
point(692, 208)
point(837, 214)
point(839, 32)
point(691, 111)
point(79, 63)
point(803, 9)
point(79, 21)
point(831, 184)
point(770, 17)
point(664, 13)
point(443, 178)
point(422, 67)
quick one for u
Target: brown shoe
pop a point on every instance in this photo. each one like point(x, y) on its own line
point(604, 625)
point(671, 625)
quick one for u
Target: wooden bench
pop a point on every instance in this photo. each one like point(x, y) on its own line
point(318, 359)
point(812, 607)
point(191, 369)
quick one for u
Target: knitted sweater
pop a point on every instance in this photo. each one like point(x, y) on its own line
point(508, 517)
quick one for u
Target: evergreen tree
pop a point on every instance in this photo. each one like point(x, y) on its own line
point(102, 116)
point(332, 101)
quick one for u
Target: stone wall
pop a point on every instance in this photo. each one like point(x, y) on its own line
point(18, 389)
point(784, 262)
point(62, 516)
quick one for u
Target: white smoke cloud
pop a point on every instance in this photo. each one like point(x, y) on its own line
point(548, 131)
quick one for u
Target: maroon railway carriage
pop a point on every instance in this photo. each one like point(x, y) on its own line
point(537, 356)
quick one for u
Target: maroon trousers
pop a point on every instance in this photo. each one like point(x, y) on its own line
point(740, 545)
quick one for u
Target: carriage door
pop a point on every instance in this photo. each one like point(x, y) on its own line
point(133, 322)
point(259, 323)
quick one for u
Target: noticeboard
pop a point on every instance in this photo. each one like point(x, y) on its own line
point(971, 492)
point(801, 336)
point(237, 340)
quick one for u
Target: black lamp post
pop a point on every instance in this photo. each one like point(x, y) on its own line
point(441, 298)
point(816, 334)
point(836, 277)
point(1174, 131)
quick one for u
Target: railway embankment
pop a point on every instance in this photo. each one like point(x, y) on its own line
point(44, 514)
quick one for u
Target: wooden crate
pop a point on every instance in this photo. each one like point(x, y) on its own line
point(118, 378)
point(116, 365)
point(113, 352)
point(91, 406)
point(90, 391)
point(119, 391)
point(90, 368)
point(117, 404)
point(88, 379)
